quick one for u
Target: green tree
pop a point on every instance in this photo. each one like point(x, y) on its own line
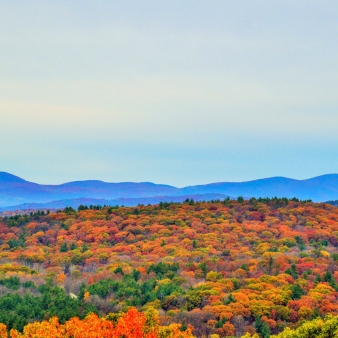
point(297, 291)
point(63, 247)
point(262, 328)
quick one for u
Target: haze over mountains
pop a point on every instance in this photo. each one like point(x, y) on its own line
point(17, 193)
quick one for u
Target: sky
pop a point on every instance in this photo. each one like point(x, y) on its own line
point(174, 92)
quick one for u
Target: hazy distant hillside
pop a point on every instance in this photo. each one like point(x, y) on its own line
point(75, 203)
point(16, 191)
point(334, 203)
point(321, 188)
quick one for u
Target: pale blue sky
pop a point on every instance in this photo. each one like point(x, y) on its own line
point(176, 92)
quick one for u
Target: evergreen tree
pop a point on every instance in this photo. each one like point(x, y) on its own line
point(64, 247)
point(262, 328)
point(297, 291)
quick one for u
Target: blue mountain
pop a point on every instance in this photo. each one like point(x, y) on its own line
point(9, 178)
point(17, 191)
point(320, 188)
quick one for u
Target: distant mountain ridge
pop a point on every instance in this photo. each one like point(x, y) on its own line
point(76, 202)
point(15, 191)
point(9, 178)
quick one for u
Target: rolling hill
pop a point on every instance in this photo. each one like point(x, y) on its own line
point(17, 193)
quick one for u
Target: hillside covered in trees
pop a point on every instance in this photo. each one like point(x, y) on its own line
point(226, 268)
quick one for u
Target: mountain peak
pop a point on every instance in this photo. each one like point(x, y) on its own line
point(9, 178)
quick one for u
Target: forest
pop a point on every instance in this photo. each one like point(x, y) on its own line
point(232, 268)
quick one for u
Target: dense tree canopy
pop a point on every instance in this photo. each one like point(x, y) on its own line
point(223, 267)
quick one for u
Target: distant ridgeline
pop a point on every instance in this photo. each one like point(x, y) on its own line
point(14, 214)
point(335, 203)
point(19, 194)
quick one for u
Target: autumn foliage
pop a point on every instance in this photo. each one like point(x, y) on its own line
point(133, 324)
point(227, 268)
